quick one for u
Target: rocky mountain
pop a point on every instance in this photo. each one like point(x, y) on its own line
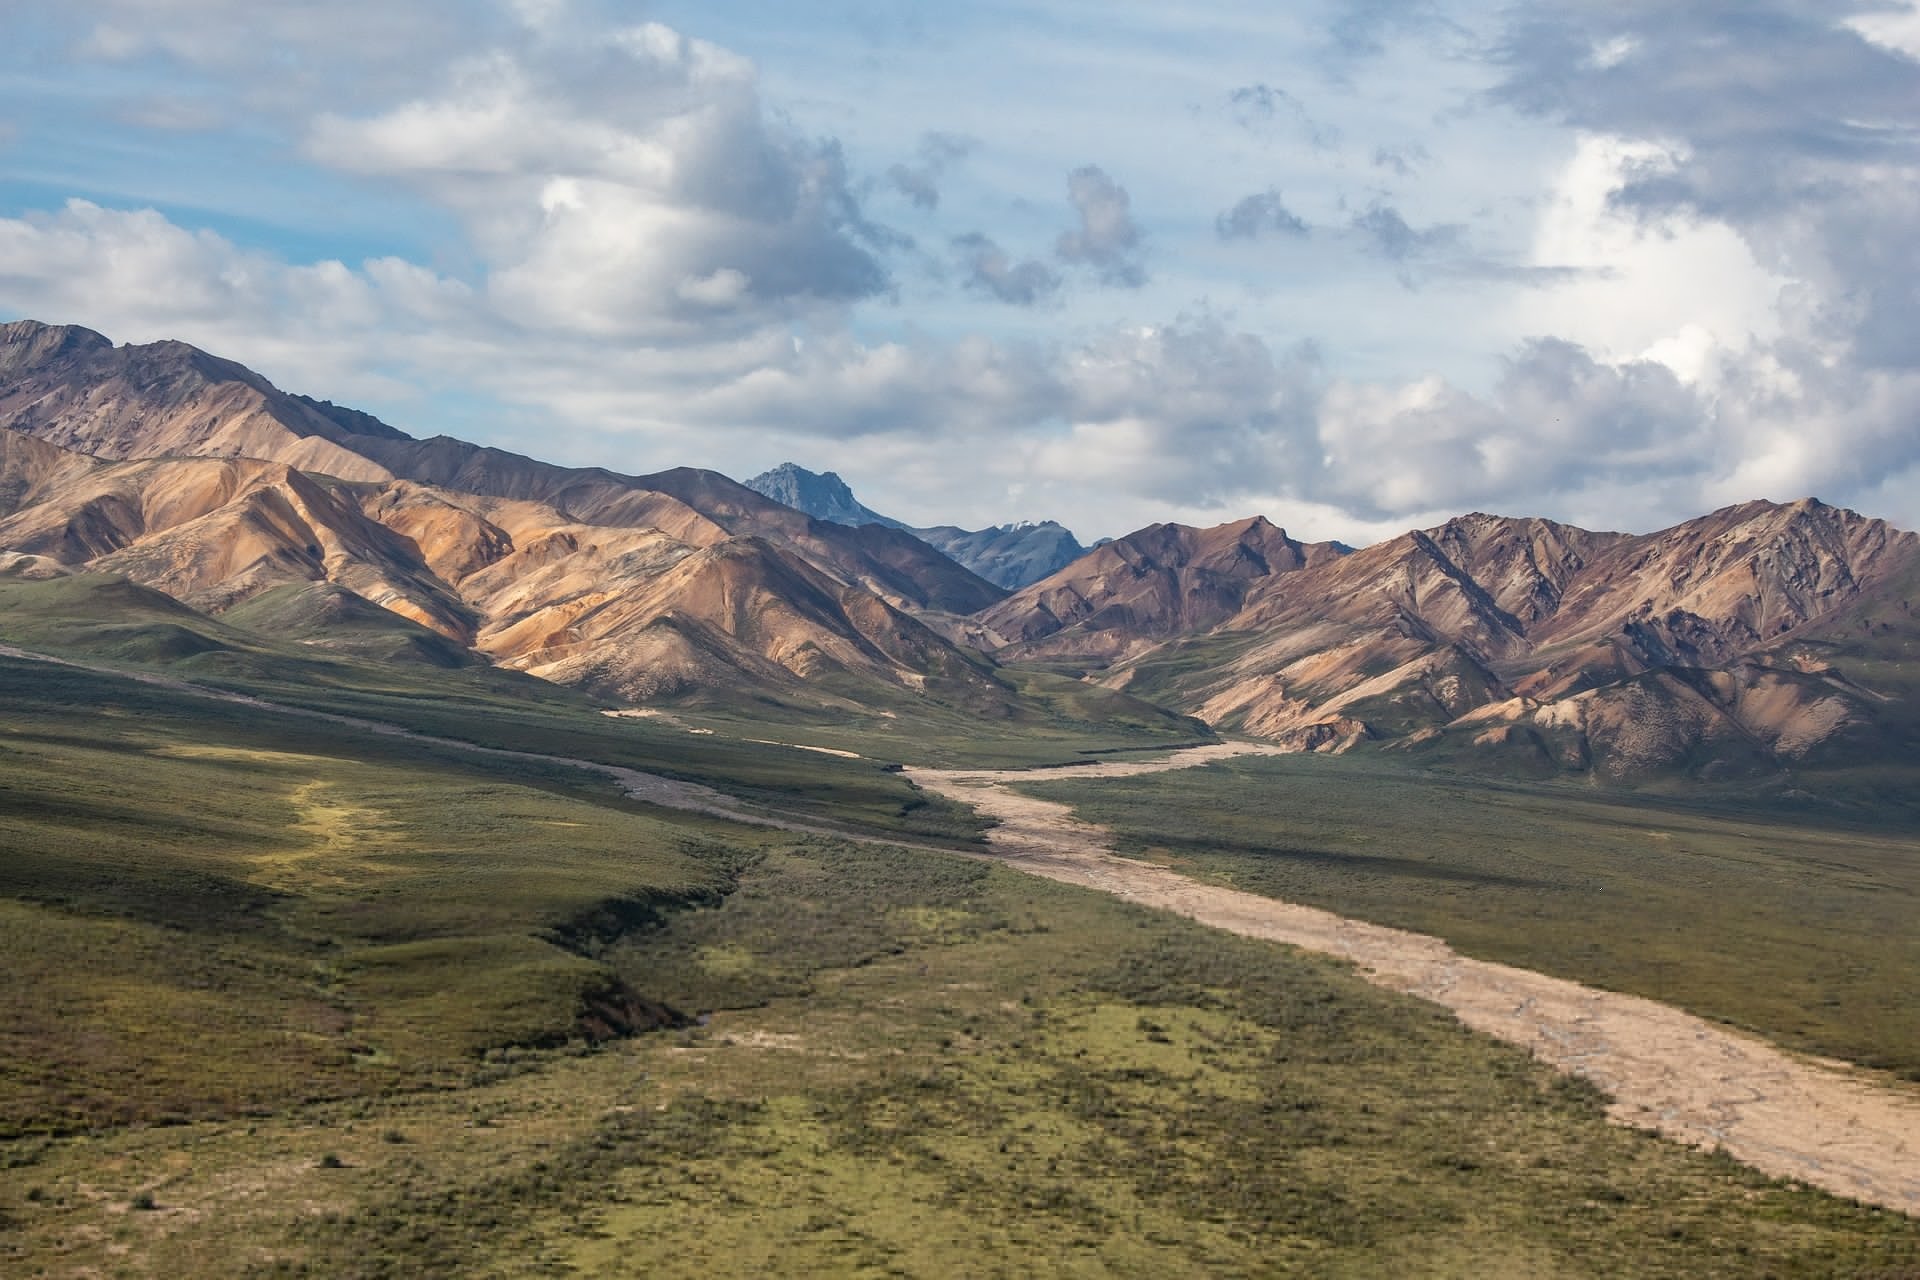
point(821, 494)
point(197, 477)
point(1007, 555)
point(1128, 595)
point(72, 387)
point(1762, 640)
point(1717, 646)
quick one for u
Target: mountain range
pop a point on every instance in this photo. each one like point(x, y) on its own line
point(1008, 555)
point(195, 476)
point(1750, 639)
point(1760, 641)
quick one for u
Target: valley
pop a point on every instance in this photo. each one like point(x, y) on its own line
point(421, 859)
point(871, 1048)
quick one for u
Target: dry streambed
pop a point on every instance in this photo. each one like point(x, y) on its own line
point(1821, 1122)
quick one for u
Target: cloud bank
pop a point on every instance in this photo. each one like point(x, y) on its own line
point(1705, 293)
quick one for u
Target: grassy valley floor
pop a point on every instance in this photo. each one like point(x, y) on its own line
point(1803, 933)
point(920, 1065)
point(287, 998)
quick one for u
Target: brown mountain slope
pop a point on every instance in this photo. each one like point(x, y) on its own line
point(660, 619)
point(1163, 581)
point(1711, 589)
point(72, 387)
point(633, 612)
point(1547, 645)
point(30, 468)
point(895, 566)
point(213, 532)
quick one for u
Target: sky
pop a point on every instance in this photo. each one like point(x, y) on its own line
point(1357, 265)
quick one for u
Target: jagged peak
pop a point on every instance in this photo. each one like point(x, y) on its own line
point(28, 344)
point(66, 334)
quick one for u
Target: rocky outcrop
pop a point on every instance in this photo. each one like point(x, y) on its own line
point(821, 494)
point(1008, 555)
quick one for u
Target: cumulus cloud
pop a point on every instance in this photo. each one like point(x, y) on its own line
point(1262, 108)
point(1780, 143)
point(1261, 214)
point(140, 277)
point(630, 185)
point(989, 269)
point(919, 182)
point(1403, 161)
point(1781, 122)
point(661, 269)
point(1107, 239)
point(1558, 421)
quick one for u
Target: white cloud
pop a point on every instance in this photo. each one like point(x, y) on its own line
point(1643, 287)
point(1107, 238)
point(628, 185)
point(1896, 28)
point(662, 269)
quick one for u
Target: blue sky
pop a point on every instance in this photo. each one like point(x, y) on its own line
point(1358, 265)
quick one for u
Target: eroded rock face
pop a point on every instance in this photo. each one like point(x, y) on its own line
point(73, 388)
point(634, 611)
point(1724, 644)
